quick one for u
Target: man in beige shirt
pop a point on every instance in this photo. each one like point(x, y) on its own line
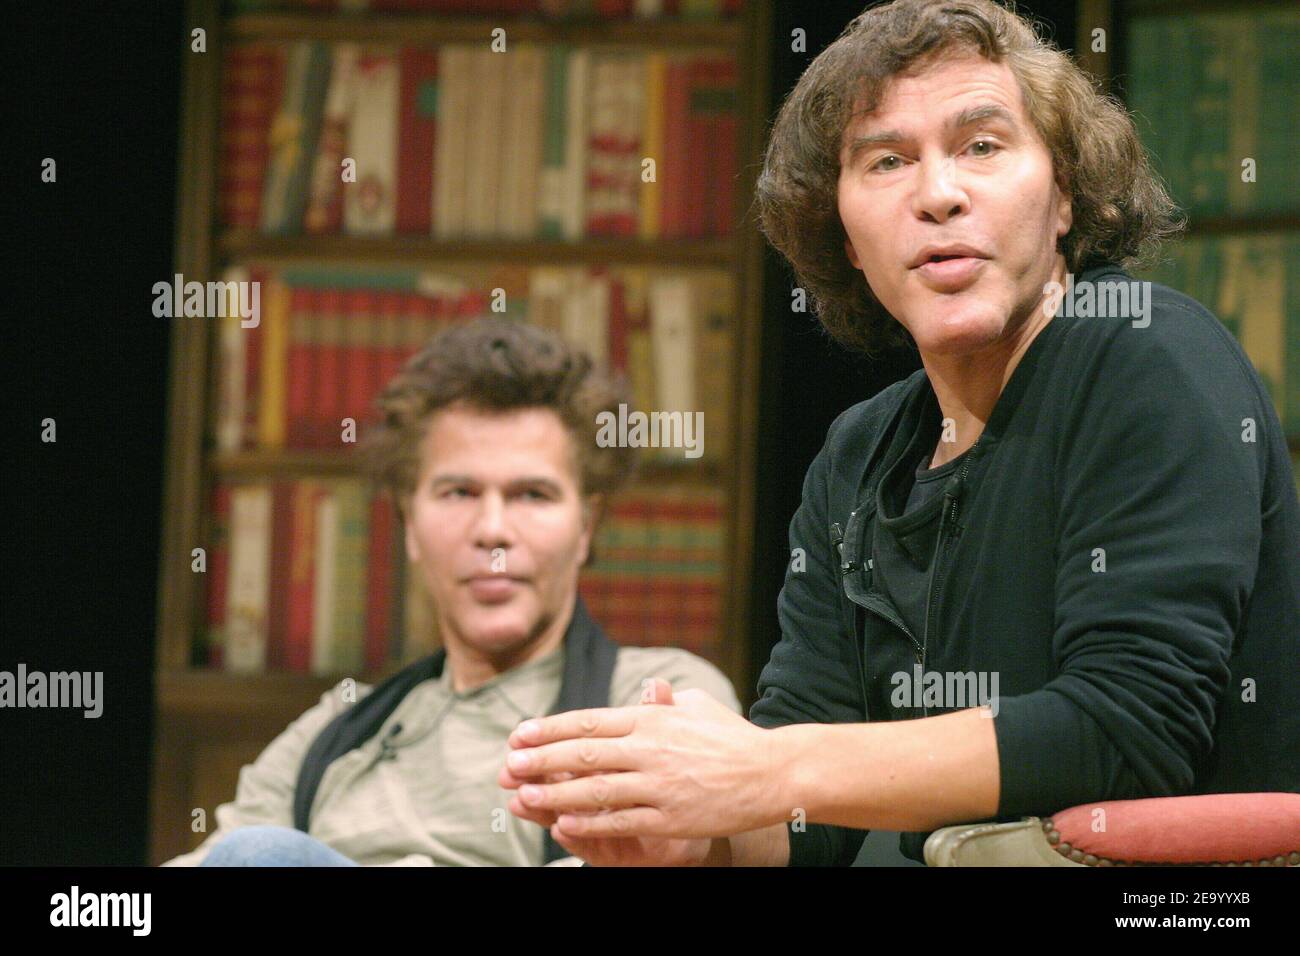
point(488, 441)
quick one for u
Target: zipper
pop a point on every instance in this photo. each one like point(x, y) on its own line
point(951, 497)
point(879, 607)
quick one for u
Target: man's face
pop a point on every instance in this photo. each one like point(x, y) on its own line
point(952, 160)
point(497, 525)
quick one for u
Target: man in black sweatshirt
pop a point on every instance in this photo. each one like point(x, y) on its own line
point(1058, 564)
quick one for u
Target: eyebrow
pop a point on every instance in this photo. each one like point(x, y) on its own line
point(526, 481)
point(967, 117)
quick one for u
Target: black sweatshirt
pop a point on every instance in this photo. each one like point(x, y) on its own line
point(1121, 547)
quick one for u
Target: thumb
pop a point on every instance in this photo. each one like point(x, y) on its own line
point(656, 690)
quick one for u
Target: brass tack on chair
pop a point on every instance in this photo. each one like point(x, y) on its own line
point(1076, 856)
point(1089, 859)
point(1105, 862)
point(1293, 858)
point(1053, 837)
point(1279, 861)
point(1063, 848)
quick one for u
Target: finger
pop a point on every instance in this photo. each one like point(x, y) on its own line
point(656, 690)
point(597, 722)
point(511, 781)
point(583, 756)
point(630, 822)
point(541, 817)
point(599, 793)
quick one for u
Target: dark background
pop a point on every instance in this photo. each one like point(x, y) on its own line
point(96, 86)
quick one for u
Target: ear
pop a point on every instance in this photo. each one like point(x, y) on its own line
point(852, 254)
point(593, 506)
point(1064, 210)
point(408, 526)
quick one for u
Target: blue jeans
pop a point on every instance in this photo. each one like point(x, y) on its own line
point(272, 846)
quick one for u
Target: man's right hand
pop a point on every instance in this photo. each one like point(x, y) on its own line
point(630, 851)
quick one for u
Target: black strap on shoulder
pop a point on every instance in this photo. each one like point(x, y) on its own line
point(589, 659)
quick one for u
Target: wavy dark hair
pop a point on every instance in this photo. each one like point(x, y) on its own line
point(1122, 212)
point(497, 364)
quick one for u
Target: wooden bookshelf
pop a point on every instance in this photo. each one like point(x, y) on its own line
point(210, 722)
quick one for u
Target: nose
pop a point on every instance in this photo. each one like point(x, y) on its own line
point(491, 527)
point(938, 195)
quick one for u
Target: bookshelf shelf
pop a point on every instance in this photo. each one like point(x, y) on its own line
point(292, 464)
point(422, 28)
point(241, 245)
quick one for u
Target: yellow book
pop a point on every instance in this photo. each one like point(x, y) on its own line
point(652, 143)
point(275, 347)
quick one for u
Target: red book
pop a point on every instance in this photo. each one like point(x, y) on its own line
point(379, 583)
point(302, 577)
point(281, 557)
point(218, 573)
point(300, 398)
point(329, 370)
point(250, 88)
point(416, 140)
point(393, 308)
point(618, 322)
point(359, 355)
point(699, 125)
point(726, 122)
point(672, 168)
point(253, 359)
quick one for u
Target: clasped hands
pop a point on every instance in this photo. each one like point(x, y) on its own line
point(644, 785)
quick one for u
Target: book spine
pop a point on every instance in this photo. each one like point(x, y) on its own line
point(329, 374)
point(275, 344)
point(325, 586)
point(218, 574)
point(300, 400)
point(247, 599)
point(379, 586)
point(419, 97)
point(370, 206)
point(250, 92)
point(324, 213)
point(280, 565)
point(232, 389)
point(302, 574)
point(350, 582)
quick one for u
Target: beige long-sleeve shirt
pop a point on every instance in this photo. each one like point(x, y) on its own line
point(434, 801)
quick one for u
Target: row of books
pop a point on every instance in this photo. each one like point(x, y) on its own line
point(308, 576)
point(461, 141)
point(656, 579)
point(694, 10)
point(328, 340)
point(1231, 99)
point(1252, 283)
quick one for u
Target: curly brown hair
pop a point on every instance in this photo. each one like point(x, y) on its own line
point(1122, 212)
point(497, 364)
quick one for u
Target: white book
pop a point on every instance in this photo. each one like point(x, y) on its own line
point(573, 213)
point(586, 315)
point(450, 145)
point(672, 326)
point(486, 140)
point(325, 585)
point(370, 204)
point(521, 142)
point(248, 588)
point(234, 367)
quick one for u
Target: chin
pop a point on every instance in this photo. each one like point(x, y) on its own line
point(959, 328)
point(496, 628)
